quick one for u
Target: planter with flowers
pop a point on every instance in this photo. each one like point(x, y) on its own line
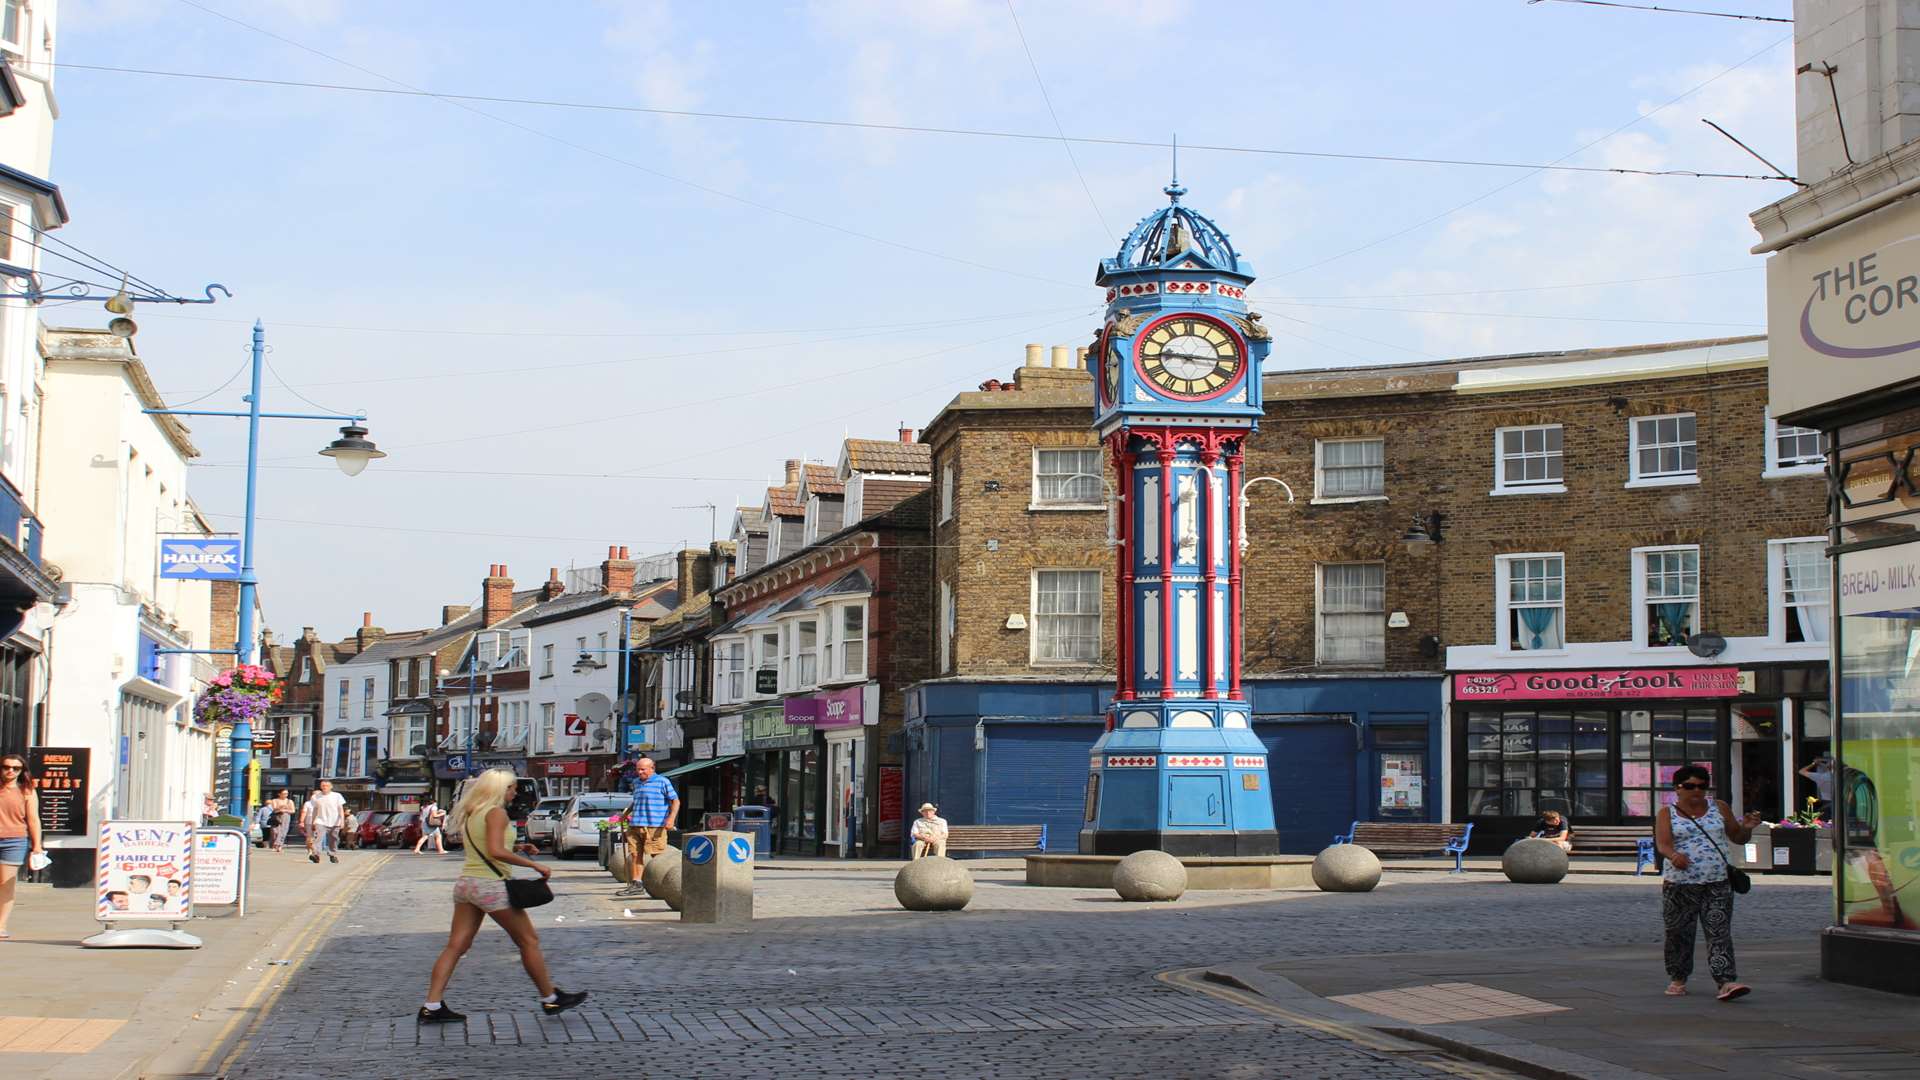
point(1796, 840)
point(242, 694)
point(613, 848)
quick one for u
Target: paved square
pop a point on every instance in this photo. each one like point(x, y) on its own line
point(1446, 1003)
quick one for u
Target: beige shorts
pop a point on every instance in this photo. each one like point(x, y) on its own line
point(650, 839)
point(487, 894)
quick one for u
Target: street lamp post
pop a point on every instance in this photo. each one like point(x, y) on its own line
point(351, 451)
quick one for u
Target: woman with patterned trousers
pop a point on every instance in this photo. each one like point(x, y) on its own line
point(1695, 835)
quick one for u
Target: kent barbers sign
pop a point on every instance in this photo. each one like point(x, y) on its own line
point(1610, 684)
point(1843, 310)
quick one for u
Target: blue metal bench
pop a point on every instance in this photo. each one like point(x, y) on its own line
point(1635, 840)
point(1410, 838)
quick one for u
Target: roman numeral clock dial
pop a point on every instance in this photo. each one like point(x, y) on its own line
point(1189, 356)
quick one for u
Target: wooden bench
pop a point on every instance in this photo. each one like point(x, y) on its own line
point(996, 838)
point(1410, 838)
point(1634, 840)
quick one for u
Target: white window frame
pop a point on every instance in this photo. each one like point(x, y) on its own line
point(1320, 614)
point(854, 508)
point(1319, 471)
point(946, 493)
point(1504, 605)
point(546, 660)
point(423, 675)
point(299, 737)
point(366, 703)
point(1637, 479)
point(22, 26)
point(810, 521)
point(1779, 612)
point(403, 679)
point(1034, 617)
point(1503, 486)
point(1775, 468)
point(947, 626)
point(729, 670)
point(306, 669)
point(549, 733)
point(1097, 473)
point(764, 655)
point(835, 643)
point(346, 695)
point(1642, 625)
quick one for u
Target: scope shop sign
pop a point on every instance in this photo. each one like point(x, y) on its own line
point(1843, 309)
point(200, 559)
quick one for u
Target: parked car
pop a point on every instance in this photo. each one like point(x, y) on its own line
point(578, 830)
point(366, 827)
point(400, 830)
point(526, 797)
point(545, 819)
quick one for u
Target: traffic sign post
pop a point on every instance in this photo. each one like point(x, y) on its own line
point(716, 878)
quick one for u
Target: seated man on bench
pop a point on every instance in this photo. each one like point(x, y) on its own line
point(930, 832)
point(1552, 826)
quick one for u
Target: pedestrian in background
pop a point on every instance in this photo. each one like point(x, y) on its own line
point(929, 832)
point(321, 820)
point(481, 892)
point(282, 808)
point(1695, 834)
point(656, 806)
point(432, 821)
point(19, 829)
point(1552, 827)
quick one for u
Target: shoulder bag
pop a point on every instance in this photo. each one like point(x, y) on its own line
point(522, 893)
point(1737, 879)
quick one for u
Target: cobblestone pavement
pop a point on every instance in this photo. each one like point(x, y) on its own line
point(833, 979)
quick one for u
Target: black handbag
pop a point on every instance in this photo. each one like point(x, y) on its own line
point(522, 893)
point(1737, 879)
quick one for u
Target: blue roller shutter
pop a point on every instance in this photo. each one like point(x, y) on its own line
point(1311, 768)
point(1036, 774)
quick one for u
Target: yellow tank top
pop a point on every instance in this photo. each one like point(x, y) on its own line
point(473, 834)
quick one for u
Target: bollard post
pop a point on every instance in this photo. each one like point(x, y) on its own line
point(716, 878)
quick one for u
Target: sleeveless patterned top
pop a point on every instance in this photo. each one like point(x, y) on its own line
point(1706, 847)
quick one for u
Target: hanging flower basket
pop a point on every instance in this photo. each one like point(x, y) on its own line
point(243, 694)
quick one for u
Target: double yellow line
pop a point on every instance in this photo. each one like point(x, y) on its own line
point(261, 1001)
point(1195, 980)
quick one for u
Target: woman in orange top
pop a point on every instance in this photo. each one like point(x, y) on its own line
point(19, 829)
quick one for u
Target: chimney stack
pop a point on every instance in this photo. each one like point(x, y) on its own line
point(1036, 356)
point(452, 612)
point(554, 587)
point(496, 595)
point(906, 434)
point(616, 574)
point(368, 633)
point(693, 572)
point(793, 470)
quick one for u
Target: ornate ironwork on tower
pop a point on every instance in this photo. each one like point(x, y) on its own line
point(1177, 367)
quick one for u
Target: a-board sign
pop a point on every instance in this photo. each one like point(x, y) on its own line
point(60, 785)
point(219, 860)
point(144, 871)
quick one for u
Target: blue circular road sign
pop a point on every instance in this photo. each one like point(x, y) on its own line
point(699, 849)
point(739, 849)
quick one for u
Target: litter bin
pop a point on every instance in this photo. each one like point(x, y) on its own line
point(1795, 851)
point(757, 822)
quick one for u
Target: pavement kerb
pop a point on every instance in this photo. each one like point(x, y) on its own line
point(1503, 1051)
point(247, 1015)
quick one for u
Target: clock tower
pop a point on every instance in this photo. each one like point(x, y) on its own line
point(1177, 377)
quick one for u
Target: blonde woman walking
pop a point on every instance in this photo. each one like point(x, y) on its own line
point(481, 891)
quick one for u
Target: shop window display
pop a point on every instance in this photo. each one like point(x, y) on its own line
point(1878, 787)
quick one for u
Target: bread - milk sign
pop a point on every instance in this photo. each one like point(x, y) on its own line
point(1843, 310)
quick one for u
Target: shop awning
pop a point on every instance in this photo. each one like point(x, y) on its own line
point(694, 766)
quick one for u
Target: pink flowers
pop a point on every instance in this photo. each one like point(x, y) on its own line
point(243, 693)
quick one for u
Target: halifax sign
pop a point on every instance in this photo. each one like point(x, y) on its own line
point(201, 559)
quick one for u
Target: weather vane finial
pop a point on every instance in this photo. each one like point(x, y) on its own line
point(1174, 190)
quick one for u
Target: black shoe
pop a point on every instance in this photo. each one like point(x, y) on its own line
point(441, 1015)
point(331, 857)
point(563, 1000)
point(313, 857)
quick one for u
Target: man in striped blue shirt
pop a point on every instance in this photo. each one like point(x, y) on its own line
point(656, 806)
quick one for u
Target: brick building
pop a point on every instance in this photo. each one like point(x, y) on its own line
point(296, 722)
point(1458, 524)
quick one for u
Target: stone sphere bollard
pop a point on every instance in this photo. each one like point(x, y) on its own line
point(661, 878)
point(1150, 875)
point(617, 864)
point(1346, 868)
point(1534, 862)
point(935, 883)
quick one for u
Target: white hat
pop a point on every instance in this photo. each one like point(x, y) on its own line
point(929, 806)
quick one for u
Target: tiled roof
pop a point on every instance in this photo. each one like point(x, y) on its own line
point(889, 456)
point(750, 520)
point(784, 501)
point(279, 659)
point(850, 583)
point(390, 647)
point(822, 480)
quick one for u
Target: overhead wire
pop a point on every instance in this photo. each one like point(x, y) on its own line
point(1667, 10)
point(1511, 315)
point(1061, 131)
point(1518, 289)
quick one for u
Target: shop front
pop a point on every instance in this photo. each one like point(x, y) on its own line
point(450, 770)
point(560, 777)
point(1601, 746)
point(776, 751)
point(710, 785)
point(402, 785)
point(843, 718)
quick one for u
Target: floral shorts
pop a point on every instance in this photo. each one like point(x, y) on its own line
point(487, 894)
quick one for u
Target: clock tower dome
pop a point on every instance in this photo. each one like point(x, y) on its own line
point(1177, 374)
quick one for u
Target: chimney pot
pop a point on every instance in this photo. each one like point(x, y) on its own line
point(906, 434)
point(793, 470)
point(1062, 356)
point(613, 552)
point(366, 618)
point(496, 596)
point(623, 551)
point(1036, 356)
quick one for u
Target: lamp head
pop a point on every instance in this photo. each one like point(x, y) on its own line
point(122, 327)
point(352, 450)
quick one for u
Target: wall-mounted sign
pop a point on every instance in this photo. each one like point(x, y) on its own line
point(60, 775)
point(829, 708)
point(144, 870)
point(207, 558)
point(703, 750)
point(1881, 581)
point(1613, 683)
point(732, 736)
point(766, 680)
point(576, 725)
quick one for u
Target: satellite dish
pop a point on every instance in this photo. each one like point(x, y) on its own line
point(632, 703)
point(684, 697)
point(420, 749)
point(595, 708)
point(1707, 645)
point(601, 734)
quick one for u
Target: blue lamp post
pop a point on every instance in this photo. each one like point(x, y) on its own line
point(351, 451)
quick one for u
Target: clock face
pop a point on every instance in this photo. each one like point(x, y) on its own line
point(1190, 356)
point(1110, 371)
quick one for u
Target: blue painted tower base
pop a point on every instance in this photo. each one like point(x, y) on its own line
point(1187, 777)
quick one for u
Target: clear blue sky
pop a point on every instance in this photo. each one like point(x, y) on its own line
point(551, 291)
